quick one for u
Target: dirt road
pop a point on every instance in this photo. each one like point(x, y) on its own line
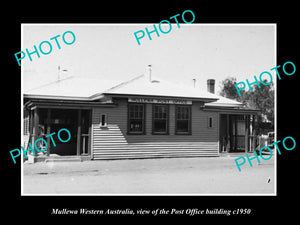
point(149, 176)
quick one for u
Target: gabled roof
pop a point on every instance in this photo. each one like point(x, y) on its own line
point(94, 88)
point(142, 86)
point(77, 88)
point(90, 89)
point(224, 102)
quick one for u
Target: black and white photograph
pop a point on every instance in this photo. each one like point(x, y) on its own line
point(149, 109)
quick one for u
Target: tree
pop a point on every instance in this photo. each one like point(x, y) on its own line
point(228, 89)
point(263, 99)
point(260, 98)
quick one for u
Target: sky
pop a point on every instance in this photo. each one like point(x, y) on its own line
point(110, 51)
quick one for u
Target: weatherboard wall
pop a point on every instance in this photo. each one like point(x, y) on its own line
point(113, 141)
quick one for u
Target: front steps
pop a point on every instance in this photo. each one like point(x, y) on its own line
point(56, 158)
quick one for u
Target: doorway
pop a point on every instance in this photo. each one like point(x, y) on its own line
point(77, 121)
point(233, 133)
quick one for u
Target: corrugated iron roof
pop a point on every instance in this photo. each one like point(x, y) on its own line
point(82, 88)
point(72, 88)
point(142, 86)
point(225, 102)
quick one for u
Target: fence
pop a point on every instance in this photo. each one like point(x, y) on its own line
point(257, 142)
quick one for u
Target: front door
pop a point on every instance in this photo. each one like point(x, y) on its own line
point(232, 133)
point(77, 121)
point(238, 133)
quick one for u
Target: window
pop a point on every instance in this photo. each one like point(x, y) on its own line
point(26, 126)
point(136, 118)
point(26, 122)
point(183, 119)
point(103, 122)
point(210, 122)
point(160, 116)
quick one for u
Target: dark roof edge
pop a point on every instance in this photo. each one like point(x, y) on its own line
point(233, 110)
point(159, 96)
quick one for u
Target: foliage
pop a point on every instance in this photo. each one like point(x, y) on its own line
point(228, 89)
point(260, 98)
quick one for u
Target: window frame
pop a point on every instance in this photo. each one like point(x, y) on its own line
point(105, 121)
point(210, 119)
point(167, 119)
point(189, 132)
point(143, 132)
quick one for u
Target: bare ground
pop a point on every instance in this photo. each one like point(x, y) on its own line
point(169, 176)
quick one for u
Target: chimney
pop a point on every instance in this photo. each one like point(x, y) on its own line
point(150, 73)
point(211, 86)
point(62, 73)
point(194, 82)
